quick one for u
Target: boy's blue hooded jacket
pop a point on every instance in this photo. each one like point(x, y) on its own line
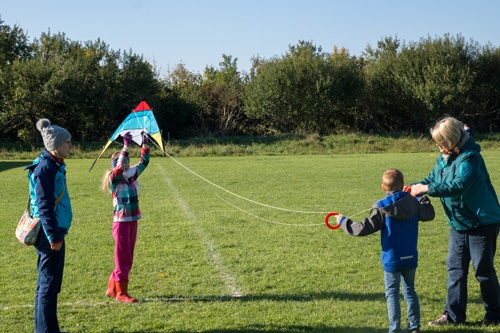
point(396, 216)
point(47, 181)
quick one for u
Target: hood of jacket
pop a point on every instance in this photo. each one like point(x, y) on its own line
point(398, 205)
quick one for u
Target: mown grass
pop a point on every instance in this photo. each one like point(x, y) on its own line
point(202, 265)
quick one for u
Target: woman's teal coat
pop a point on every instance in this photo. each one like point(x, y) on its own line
point(464, 187)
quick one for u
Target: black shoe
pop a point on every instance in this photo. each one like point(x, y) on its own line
point(487, 322)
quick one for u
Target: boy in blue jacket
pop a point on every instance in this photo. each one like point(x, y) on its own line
point(397, 217)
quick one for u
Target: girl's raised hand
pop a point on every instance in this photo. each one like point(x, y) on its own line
point(127, 139)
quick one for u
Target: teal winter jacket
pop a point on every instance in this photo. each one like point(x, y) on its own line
point(47, 181)
point(463, 184)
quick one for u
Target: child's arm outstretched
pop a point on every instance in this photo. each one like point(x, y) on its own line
point(116, 173)
point(127, 141)
point(369, 225)
point(143, 163)
point(426, 210)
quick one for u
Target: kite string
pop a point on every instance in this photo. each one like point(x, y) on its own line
point(263, 219)
point(358, 213)
point(253, 201)
point(281, 223)
point(239, 196)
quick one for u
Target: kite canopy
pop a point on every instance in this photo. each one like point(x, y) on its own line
point(140, 120)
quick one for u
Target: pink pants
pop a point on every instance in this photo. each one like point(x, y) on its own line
point(125, 235)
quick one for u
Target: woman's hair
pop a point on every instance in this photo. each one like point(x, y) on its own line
point(447, 133)
point(105, 187)
point(393, 180)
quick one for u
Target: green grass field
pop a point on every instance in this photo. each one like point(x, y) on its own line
point(209, 261)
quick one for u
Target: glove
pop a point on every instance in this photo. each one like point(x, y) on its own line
point(145, 138)
point(127, 139)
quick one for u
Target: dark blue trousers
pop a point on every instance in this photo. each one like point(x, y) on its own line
point(50, 274)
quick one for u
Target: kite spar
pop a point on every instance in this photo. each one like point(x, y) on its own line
point(140, 120)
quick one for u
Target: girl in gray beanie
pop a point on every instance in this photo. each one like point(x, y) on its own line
point(50, 201)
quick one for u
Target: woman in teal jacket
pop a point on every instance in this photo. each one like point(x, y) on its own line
point(461, 181)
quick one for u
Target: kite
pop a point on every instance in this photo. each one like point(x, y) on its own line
point(140, 120)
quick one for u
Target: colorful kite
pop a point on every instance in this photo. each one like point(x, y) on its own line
point(140, 120)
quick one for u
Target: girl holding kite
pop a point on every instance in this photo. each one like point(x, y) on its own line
point(121, 182)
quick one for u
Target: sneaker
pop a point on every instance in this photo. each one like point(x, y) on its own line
point(440, 321)
point(416, 330)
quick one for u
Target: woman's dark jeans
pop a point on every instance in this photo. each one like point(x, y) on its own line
point(478, 245)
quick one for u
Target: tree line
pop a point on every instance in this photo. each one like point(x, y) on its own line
point(89, 88)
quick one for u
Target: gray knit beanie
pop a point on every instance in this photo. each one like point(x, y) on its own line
point(53, 136)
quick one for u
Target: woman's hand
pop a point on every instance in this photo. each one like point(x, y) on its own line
point(419, 189)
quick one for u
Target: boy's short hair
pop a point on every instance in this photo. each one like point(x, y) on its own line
point(393, 179)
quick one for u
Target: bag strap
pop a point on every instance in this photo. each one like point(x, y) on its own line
point(60, 196)
point(56, 202)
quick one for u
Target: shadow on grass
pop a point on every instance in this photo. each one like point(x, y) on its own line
point(4, 166)
point(275, 329)
point(319, 329)
point(256, 328)
point(339, 296)
point(279, 298)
